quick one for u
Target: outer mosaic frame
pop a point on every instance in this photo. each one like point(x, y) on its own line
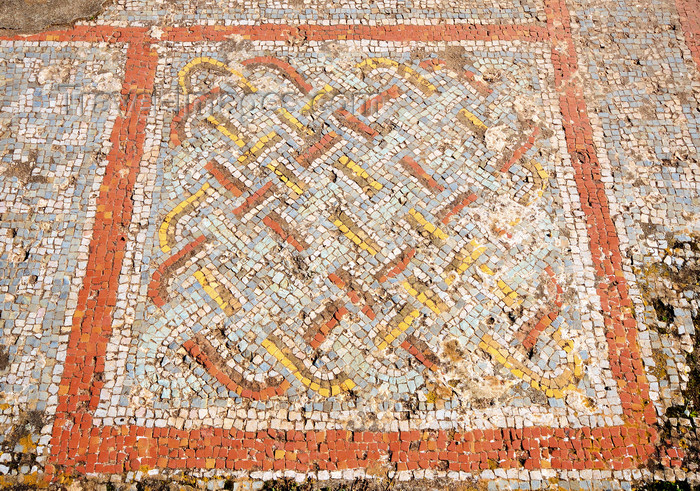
point(77, 446)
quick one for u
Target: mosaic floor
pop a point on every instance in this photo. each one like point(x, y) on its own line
point(416, 245)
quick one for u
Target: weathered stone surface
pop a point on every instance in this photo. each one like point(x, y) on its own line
point(35, 15)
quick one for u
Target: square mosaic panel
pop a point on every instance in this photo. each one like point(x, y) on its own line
point(341, 237)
